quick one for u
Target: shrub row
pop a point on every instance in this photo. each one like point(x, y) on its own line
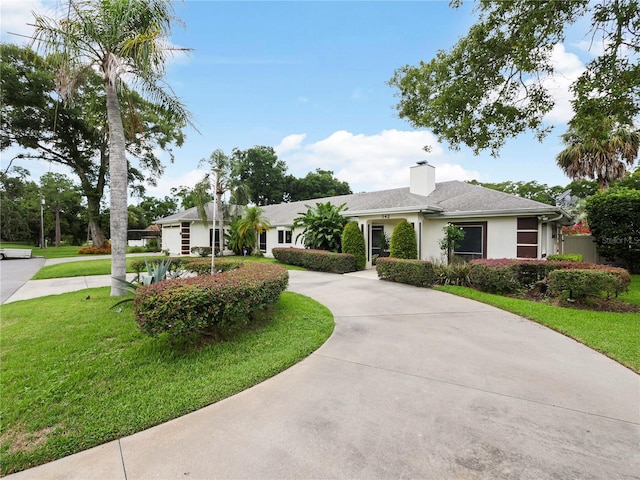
point(318, 260)
point(412, 272)
point(579, 284)
point(208, 304)
point(510, 275)
point(95, 250)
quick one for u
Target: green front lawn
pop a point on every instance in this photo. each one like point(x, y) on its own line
point(616, 335)
point(76, 374)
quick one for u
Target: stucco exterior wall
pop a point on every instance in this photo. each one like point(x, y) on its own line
point(171, 238)
point(200, 235)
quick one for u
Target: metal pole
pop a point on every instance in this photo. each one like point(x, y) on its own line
point(213, 234)
point(42, 222)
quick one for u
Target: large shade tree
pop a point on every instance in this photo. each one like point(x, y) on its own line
point(122, 40)
point(492, 84)
point(74, 135)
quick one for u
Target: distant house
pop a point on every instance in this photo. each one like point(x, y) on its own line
point(496, 224)
point(141, 238)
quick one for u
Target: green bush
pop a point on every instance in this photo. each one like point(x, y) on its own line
point(412, 272)
point(353, 243)
point(570, 257)
point(614, 218)
point(403, 241)
point(580, 284)
point(507, 275)
point(202, 251)
point(210, 304)
point(318, 260)
point(497, 278)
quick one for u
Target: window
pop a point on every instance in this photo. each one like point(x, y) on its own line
point(263, 241)
point(474, 244)
point(527, 237)
point(217, 244)
point(284, 236)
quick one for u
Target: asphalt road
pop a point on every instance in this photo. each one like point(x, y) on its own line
point(15, 272)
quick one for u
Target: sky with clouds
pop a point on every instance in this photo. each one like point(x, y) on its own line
point(309, 78)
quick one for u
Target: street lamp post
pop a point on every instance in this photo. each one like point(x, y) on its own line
point(216, 171)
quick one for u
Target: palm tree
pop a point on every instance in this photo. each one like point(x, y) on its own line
point(253, 221)
point(122, 40)
point(600, 156)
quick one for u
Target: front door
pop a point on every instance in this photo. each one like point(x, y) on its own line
point(377, 236)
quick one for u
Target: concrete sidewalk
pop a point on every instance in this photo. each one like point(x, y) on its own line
point(413, 383)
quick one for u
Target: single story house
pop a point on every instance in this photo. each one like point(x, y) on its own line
point(496, 224)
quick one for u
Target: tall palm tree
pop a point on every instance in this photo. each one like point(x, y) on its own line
point(602, 156)
point(125, 41)
point(254, 221)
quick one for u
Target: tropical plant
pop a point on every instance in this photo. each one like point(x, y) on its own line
point(115, 38)
point(157, 271)
point(403, 241)
point(353, 243)
point(322, 226)
point(253, 223)
point(600, 154)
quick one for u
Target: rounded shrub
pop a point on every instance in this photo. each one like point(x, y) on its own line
point(353, 243)
point(208, 304)
point(403, 241)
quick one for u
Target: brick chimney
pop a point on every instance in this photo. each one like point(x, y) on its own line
point(422, 178)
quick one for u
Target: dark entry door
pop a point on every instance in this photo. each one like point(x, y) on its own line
point(377, 232)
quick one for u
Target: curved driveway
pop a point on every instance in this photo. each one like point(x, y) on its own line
point(413, 383)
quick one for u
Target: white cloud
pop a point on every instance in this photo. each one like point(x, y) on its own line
point(16, 15)
point(167, 182)
point(568, 67)
point(372, 162)
point(290, 143)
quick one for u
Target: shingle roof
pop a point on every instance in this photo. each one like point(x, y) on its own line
point(448, 198)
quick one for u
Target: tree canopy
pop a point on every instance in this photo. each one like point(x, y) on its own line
point(118, 40)
point(74, 134)
point(490, 85)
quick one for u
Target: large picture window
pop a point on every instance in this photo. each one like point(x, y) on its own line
point(474, 244)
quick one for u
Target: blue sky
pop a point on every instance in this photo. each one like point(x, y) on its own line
point(309, 79)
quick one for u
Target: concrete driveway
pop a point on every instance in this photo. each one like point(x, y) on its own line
point(15, 272)
point(413, 383)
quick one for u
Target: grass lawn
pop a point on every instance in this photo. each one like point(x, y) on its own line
point(616, 335)
point(76, 374)
point(102, 266)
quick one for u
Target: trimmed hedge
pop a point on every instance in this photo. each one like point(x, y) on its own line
point(318, 260)
point(579, 284)
point(412, 272)
point(208, 304)
point(353, 243)
point(507, 275)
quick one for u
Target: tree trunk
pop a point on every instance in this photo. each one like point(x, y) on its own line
point(118, 192)
point(58, 233)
